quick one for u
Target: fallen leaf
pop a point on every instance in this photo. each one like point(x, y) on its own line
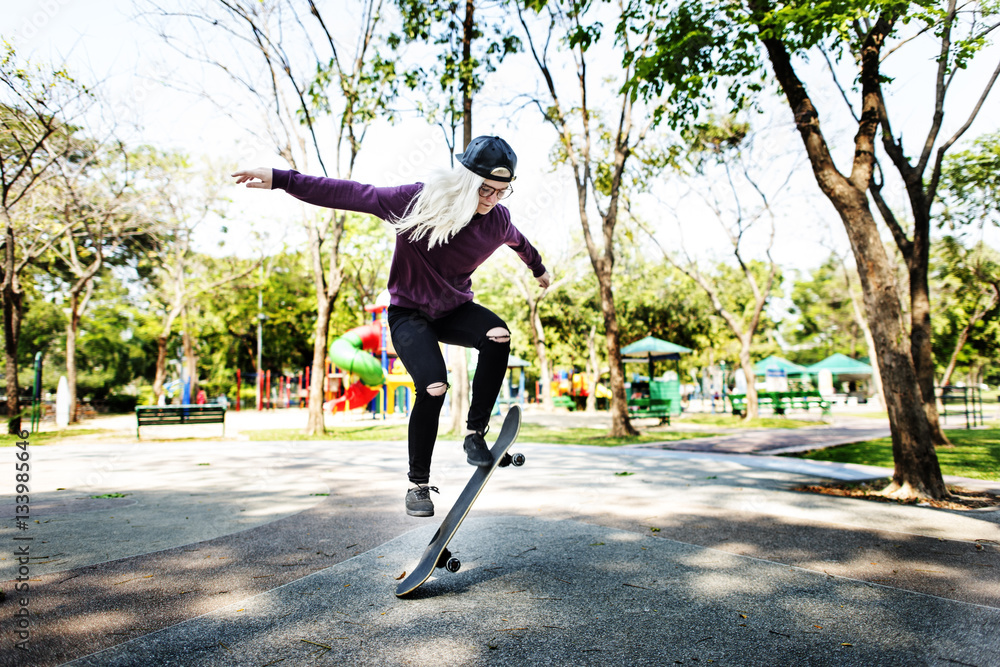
point(845, 644)
point(818, 627)
point(401, 576)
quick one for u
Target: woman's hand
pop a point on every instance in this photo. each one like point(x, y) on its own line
point(544, 280)
point(259, 177)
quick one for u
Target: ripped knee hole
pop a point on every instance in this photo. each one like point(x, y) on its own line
point(498, 335)
point(437, 389)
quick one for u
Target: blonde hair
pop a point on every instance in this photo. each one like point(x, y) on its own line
point(444, 206)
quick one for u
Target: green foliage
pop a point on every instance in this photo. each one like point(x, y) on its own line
point(825, 321)
point(704, 46)
point(965, 298)
point(970, 185)
point(452, 75)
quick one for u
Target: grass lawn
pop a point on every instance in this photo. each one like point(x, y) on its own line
point(976, 453)
point(732, 421)
point(529, 432)
point(47, 437)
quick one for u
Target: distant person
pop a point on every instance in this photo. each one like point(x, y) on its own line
point(445, 229)
point(201, 398)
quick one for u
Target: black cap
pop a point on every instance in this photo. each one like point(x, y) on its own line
point(489, 157)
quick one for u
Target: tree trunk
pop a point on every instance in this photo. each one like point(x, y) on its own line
point(161, 367)
point(459, 398)
point(593, 370)
point(753, 404)
point(920, 342)
point(468, 34)
point(12, 311)
point(315, 424)
point(190, 360)
point(917, 472)
point(538, 338)
point(620, 423)
point(72, 327)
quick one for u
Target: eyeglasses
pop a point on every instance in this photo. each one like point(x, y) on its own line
point(501, 193)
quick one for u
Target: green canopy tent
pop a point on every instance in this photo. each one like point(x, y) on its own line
point(773, 363)
point(843, 367)
point(651, 349)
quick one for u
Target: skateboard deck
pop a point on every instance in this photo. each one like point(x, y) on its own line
point(436, 554)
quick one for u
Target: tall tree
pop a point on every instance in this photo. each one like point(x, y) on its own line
point(274, 56)
point(701, 45)
point(959, 33)
point(596, 153)
point(724, 156)
point(94, 198)
point(36, 107)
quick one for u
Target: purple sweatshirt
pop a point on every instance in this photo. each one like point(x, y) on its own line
point(434, 281)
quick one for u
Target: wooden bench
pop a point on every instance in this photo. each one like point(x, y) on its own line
point(171, 415)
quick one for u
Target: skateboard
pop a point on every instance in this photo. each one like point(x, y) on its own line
point(437, 555)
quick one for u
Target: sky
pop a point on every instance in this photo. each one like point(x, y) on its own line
point(101, 41)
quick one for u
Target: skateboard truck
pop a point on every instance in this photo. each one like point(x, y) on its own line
point(446, 561)
point(511, 459)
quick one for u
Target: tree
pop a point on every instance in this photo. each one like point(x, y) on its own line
point(596, 153)
point(723, 151)
point(526, 287)
point(36, 107)
point(93, 197)
point(968, 280)
point(959, 32)
point(351, 90)
point(703, 44)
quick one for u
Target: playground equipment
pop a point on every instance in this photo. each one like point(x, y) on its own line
point(355, 352)
point(364, 351)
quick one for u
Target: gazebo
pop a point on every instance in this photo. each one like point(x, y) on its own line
point(843, 367)
point(774, 363)
point(652, 349)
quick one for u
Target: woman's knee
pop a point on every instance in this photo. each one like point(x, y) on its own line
point(498, 335)
point(437, 388)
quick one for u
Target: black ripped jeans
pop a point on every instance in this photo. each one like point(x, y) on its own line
point(416, 338)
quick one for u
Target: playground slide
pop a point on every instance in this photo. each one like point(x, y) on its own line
point(355, 352)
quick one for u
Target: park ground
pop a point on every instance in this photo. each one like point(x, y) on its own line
point(187, 548)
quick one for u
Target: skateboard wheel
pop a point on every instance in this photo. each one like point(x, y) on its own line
point(505, 460)
point(453, 565)
point(517, 459)
point(442, 560)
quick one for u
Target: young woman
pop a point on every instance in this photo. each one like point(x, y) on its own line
point(445, 229)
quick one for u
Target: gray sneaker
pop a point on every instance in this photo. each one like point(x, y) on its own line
point(476, 451)
point(418, 500)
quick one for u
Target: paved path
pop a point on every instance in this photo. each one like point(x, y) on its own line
point(238, 553)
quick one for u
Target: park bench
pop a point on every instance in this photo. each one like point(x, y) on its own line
point(663, 402)
point(171, 415)
point(564, 401)
point(780, 401)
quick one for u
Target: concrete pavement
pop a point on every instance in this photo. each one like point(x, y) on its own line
point(239, 553)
